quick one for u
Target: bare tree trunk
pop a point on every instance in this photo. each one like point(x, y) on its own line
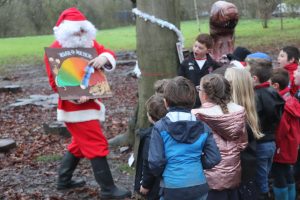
point(157, 58)
point(265, 22)
point(197, 14)
point(156, 51)
point(266, 8)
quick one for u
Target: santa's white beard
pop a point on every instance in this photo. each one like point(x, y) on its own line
point(66, 34)
point(77, 41)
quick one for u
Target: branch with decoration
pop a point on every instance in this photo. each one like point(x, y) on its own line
point(163, 24)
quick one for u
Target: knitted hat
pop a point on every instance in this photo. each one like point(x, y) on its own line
point(259, 55)
point(70, 14)
point(240, 53)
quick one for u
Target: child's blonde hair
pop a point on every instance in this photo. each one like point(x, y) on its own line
point(243, 94)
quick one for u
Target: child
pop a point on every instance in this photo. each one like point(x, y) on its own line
point(280, 82)
point(82, 117)
point(297, 96)
point(227, 121)
point(243, 94)
point(159, 86)
point(145, 182)
point(199, 63)
point(288, 59)
point(269, 106)
point(287, 140)
point(181, 146)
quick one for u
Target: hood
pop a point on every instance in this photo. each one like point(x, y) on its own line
point(292, 106)
point(229, 126)
point(183, 126)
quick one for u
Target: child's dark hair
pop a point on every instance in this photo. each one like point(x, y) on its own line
point(159, 85)
point(292, 52)
point(217, 89)
point(280, 76)
point(205, 39)
point(180, 92)
point(155, 107)
point(261, 68)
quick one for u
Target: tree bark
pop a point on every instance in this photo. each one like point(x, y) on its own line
point(156, 51)
point(157, 59)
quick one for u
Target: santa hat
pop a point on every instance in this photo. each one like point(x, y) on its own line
point(73, 21)
point(70, 14)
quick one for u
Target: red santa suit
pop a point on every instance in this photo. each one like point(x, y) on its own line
point(82, 120)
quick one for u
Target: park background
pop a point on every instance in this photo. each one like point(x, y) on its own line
point(29, 171)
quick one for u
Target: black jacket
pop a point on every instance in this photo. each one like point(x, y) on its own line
point(269, 106)
point(248, 158)
point(190, 70)
point(143, 175)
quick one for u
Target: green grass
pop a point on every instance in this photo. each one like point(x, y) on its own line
point(48, 158)
point(249, 33)
point(125, 169)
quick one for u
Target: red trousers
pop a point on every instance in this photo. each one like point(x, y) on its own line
point(87, 139)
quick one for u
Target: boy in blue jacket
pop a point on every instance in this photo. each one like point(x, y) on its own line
point(180, 146)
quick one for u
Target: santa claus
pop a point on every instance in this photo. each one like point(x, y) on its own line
point(82, 117)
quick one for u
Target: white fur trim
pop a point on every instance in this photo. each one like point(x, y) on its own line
point(111, 59)
point(102, 111)
point(217, 111)
point(64, 34)
point(78, 116)
point(180, 116)
point(237, 64)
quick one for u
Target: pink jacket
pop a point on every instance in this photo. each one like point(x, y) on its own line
point(229, 131)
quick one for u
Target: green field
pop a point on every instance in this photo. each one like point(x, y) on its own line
point(249, 33)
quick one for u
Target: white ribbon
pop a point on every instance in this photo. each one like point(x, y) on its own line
point(161, 23)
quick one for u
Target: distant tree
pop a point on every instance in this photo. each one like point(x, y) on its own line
point(3, 2)
point(294, 4)
point(36, 14)
point(266, 7)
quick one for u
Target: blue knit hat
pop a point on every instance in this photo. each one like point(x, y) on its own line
point(259, 55)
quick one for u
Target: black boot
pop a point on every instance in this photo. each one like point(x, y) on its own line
point(67, 167)
point(104, 178)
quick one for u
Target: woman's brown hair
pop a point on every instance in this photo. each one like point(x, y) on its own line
point(217, 89)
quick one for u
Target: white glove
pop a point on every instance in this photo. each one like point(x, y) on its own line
point(98, 62)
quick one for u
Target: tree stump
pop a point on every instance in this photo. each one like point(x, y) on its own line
point(57, 128)
point(11, 88)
